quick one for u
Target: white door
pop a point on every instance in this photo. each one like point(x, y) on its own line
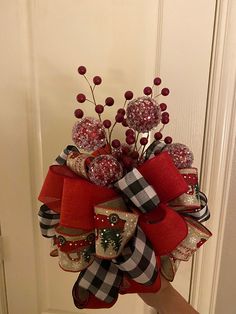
point(43, 43)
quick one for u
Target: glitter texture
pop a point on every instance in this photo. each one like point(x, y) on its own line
point(180, 154)
point(88, 134)
point(143, 114)
point(105, 170)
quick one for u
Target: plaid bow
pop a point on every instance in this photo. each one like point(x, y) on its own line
point(137, 189)
point(48, 220)
point(202, 214)
point(103, 277)
point(138, 259)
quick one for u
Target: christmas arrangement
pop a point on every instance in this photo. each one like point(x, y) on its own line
point(118, 213)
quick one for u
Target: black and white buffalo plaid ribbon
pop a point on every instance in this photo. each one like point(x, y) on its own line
point(138, 259)
point(48, 220)
point(202, 214)
point(103, 277)
point(139, 192)
point(61, 159)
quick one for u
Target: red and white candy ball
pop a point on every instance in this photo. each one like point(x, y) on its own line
point(143, 114)
point(180, 154)
point(88, 134)
point(105, 170)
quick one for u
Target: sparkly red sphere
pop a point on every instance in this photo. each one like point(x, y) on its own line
point(165, 91)
point(143, 114)
point(82, 70)
point(129, 95)
point(99, 109)
point(147, 91)
point(97, 80)
point(107, 124)
point(105, 170)
point(78, 113)
point(109, 101)
point(81, 98)
point(88, 134)
point(180, 154)
point(157, 81)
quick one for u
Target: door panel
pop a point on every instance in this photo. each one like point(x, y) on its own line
point(127, 43)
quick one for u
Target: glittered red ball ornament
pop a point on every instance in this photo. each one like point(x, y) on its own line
point(88, 134)
point(143, 114)
point(180, 154)
point(105, 170)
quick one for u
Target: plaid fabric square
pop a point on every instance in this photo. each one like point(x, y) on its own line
point(202, 214)
point(102, 278)
point(138, 191)
point(61, 159)
point(48, 220)
point(138, 259)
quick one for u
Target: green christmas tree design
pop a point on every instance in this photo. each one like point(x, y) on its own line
point(111, 237)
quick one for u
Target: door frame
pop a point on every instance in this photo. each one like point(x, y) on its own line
point(217, 159)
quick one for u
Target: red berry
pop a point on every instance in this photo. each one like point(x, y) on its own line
point(158, 136)
point(168, 140)
point(115, 143)
point(107, 124)
point(78, 113)
point(143, 141)
point(130, 140)
point(165, 115)
point(163, 106)
point(109, 101)
point(81, 98)
point(119, 118)
point(128, 162)
point(99, 108)
point(165, 120)
point(147, 90)
point(157, 81)
point(97, 80)
point(165, 91)
point(82, 70)
point(129, 132)
point(128, 95)
point(121, 111)
point(125, 150)
point(134, 155)
point(124, 123)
